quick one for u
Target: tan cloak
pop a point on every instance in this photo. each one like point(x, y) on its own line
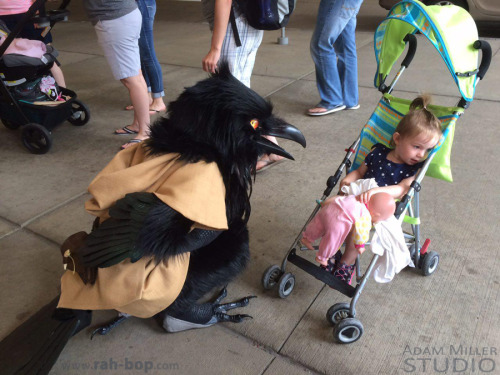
point(142, 289)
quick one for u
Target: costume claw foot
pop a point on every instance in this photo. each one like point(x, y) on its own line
point(104, 330)
point(206, 314)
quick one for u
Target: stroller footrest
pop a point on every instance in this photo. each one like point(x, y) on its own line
point(322, 275)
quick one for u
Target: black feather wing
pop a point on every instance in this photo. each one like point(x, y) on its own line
point(140, 225)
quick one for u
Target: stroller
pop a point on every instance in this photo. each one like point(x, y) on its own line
point(20, 96)
point(403, 21)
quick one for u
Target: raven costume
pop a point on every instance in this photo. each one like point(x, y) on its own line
point(171, 226)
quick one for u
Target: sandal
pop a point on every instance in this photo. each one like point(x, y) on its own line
point(126, 131)
point(130, 143)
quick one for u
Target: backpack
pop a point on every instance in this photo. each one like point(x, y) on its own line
point(263, 14)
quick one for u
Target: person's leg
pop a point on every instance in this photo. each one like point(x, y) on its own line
point(348, 63)
point(58, 75)
point(137, 89)
point(241, 61)
point(119, 41)
point(350, 253)
point(333, 16)
point(151, 67)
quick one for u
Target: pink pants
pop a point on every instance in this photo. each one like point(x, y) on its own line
point(333, 223)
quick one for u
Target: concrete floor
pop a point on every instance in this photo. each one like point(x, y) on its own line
point(414, 324)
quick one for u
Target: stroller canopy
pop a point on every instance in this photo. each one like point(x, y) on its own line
point(449, 28)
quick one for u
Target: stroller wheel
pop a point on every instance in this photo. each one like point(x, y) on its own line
point(271, 276)
point(338, 312)
point(10, 125)
point(36, 138)
point(430, 263)
point(286, 285)
point(80, 113)
point(348, 331)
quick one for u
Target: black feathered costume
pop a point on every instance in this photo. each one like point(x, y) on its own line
point(172, 222)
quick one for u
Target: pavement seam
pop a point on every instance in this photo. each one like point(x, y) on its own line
point(270, 350)
point(24, 225)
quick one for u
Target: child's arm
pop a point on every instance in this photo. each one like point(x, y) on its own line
point(354, 175)
point(396, 191)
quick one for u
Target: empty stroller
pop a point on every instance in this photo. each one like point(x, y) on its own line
point(441, 25)
point(22, 102)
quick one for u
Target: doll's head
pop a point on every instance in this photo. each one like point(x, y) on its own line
point(381, 206)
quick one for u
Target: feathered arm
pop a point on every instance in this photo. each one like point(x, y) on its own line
point(140, 225)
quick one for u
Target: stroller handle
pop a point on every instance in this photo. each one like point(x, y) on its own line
point(485, 48)
point(412, 48)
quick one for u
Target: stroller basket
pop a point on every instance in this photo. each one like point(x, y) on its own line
point(47, 116)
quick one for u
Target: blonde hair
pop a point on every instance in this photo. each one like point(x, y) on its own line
point(419, 120)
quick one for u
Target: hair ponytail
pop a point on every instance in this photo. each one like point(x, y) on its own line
point(421, 102)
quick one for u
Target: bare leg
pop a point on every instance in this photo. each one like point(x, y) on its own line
point(58, 75)
point(139, 96)
point(350, 252)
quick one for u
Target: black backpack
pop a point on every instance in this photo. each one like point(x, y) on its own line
point(263, 14)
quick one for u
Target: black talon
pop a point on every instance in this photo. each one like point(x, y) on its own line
point(238, 318)
point(233, 305)
point(104, 330)
point(221, 296)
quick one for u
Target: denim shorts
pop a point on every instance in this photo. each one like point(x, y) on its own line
point(119, 40)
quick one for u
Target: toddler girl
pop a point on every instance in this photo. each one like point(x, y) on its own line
point(393, 169)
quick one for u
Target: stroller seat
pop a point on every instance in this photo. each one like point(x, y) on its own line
point(16, 68)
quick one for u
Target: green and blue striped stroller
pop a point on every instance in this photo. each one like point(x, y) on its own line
point(452, 31)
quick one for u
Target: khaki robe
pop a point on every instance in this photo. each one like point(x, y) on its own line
point(144, 288)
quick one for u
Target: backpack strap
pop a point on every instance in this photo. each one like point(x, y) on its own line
point(236, 34)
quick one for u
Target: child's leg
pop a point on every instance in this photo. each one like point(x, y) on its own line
point(350, 252)
point(344, 270)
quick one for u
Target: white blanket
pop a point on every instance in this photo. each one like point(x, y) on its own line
point(389, 236)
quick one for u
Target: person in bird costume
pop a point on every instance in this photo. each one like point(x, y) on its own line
point(170, 227)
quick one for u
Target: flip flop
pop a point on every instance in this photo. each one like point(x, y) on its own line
point(130, 143)
point(156, 111)
point(126, 131)
point(327, 110)
point(129, 107)
point(269, 163)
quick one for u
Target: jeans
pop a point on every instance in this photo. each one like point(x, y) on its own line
point(333, 50)
point(151, 68)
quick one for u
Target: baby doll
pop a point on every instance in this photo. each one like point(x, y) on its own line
point(340, 215)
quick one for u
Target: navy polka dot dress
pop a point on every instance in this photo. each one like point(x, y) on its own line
point(386, 172)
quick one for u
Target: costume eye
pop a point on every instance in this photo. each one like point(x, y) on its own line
point(254, 123)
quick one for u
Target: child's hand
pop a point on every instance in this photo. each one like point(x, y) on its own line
point(343, 183)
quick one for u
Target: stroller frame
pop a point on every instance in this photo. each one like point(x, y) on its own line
point(347, 328)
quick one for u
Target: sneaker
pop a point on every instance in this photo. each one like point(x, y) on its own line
point(332, 262)
point(327, 110)
point(353, 107)
point(344, 272)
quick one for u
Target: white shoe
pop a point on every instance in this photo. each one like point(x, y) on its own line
point(354, 107)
